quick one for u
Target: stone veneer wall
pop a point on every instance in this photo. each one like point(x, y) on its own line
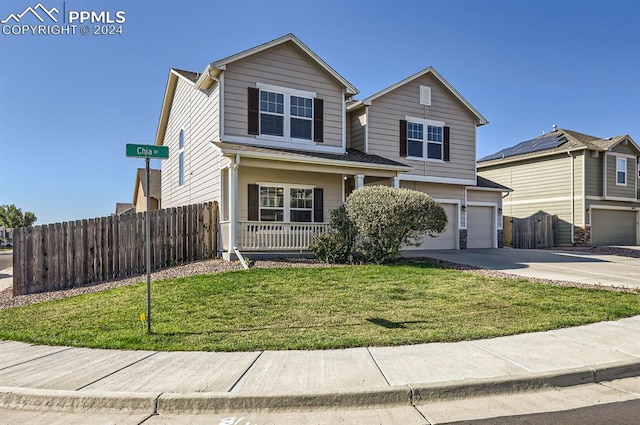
point(582, 236)
point(500, 238)
point(463, 238)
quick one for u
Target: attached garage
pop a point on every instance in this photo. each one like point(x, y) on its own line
point(447, 239)
point(613, 227)
point(481, 226)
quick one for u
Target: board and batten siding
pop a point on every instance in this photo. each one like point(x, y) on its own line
point(593, 173)
point(195, 112)
point(543, 186)
point(330, 183)
point(386, 111)
point(357, 122)
point(286, 66)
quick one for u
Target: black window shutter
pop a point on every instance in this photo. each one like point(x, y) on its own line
point(318, 205)
point(318, 120)
point(253, 123)
point(252, 199)
point(445, 145)
point(403, 138)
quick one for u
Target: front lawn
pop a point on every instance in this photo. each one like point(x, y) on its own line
point(312, 308)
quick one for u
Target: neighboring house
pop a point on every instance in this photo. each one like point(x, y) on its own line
point(590, 183)
point(274, 136)
point(6, 234)
point(140, 192)
point(124, 208)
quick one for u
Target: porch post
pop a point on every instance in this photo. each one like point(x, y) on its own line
point(396, 182)
point(233, 209)
point(359, 180)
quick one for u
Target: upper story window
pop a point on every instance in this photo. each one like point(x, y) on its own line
point(281, 114)
point(425, 139)
point(621, 171)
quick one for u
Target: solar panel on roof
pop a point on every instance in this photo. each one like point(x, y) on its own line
point(529, 146)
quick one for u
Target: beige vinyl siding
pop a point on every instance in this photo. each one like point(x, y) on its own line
point(625, 148)
point(613, 190)
point(542, 186)
point(286, 66)
point(484, 196)
point(330, 183)
point(384, 134)
point(195, 112)
point(357, 128)
point(593, 173)
point(439, 191)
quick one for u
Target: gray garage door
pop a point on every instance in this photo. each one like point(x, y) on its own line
point(446, 239)
point(480, 227)
point(613, 227)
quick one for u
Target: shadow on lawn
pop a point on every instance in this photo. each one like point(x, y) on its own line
point(374, 320)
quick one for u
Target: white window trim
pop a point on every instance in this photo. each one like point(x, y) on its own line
point(287, 200)
point(425, 95)
point(626, 179)
point(425, 142)
point(287, 93)
point(181, 172)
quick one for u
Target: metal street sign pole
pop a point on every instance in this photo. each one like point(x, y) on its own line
point(148, 243)
point(147, 152)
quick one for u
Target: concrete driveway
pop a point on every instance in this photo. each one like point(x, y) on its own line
point(572, 266)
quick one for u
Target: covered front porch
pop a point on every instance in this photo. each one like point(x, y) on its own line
point(279, 202)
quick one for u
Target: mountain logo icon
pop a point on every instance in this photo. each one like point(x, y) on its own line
point(34, 11)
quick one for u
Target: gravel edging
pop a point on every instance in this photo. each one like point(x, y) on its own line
point(190, 269)
point(218, 265)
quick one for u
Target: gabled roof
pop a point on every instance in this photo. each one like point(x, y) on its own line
point(484, 183)
point(430, 70)
point(154, 182)
point(189, 75)
point(124, 208)
point(557, 141)
point(289, 38)
point(353, 158)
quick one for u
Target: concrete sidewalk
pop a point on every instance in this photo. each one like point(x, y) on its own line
point(147, 382)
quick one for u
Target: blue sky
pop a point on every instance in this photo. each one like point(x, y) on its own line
point(70, 103)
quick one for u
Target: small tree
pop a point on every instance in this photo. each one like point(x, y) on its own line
point(336, 246)
point(12, 216)
point(386, 218)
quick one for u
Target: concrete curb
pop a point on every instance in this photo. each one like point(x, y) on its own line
point(77, 401)
point(195, 403)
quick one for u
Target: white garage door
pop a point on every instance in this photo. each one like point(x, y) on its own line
point(447, 239)
point(613, 227)
point(480, 227)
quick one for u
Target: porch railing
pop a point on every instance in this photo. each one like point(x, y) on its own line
point(270, 236)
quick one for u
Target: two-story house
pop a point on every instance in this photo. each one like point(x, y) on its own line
point(590, 183)
point(274, 135)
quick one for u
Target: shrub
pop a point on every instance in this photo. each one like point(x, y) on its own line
point(386, 218)
point(336, 246)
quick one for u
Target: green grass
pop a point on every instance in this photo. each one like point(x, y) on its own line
point(312, 308)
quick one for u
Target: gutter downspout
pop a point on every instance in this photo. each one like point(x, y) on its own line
point(573, 204)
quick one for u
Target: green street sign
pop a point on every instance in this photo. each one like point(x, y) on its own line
point(147, 151)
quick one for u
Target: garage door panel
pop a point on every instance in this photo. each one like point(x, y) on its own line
point(447, 239)
point(480, 227)
point(613, 227)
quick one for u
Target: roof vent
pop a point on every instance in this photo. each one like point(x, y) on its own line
point(554, 127)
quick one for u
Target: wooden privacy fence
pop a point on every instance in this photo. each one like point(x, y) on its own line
point(67, 255)
point(532, 232)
